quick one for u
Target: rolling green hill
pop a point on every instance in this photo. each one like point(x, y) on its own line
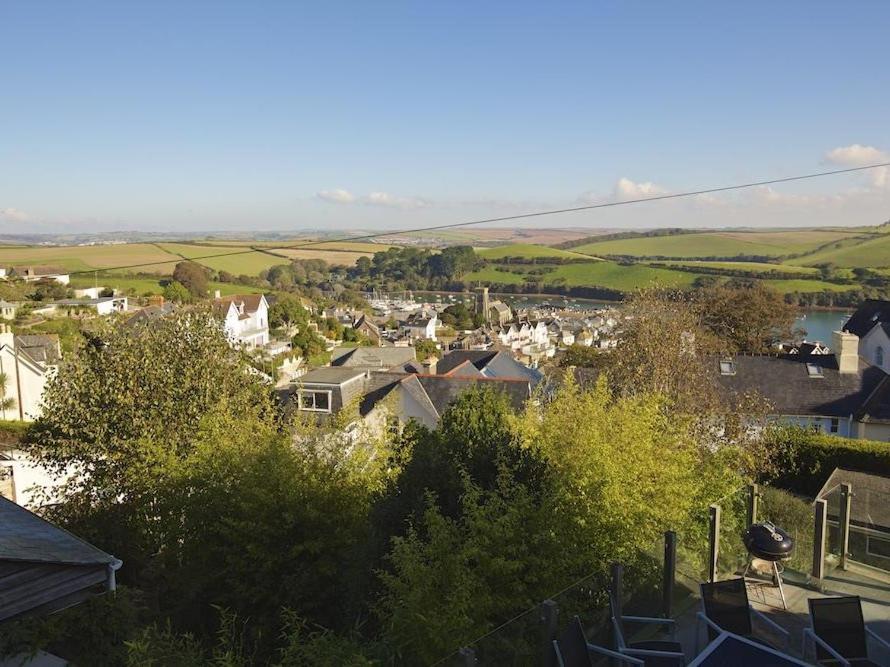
point(717, 244)
point(598, 273)
point(527, 250)
point(851, 253)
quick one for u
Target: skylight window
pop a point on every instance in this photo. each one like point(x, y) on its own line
point(814, 370)
point(727, 367)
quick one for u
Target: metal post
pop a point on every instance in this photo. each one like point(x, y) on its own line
point(617, 576)
point(713, 541)
point(549, 625)
point(753, 497)
point(467, 657)
point(820, 514)
point(844, 523)
point(669, 573)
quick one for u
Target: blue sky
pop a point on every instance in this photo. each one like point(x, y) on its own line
point(216, 115)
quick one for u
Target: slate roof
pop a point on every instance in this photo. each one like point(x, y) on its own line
point(869, 313)
point(151, 313)
point(372, 357)
point(251, 302)
point(27, 537)
point(783, 380)
point(871, 497)
point(490, 363)
point(443, 391)
point(328, 375)
point(40, 347)
point(437, 391)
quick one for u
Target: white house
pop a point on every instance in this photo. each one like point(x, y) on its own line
point(245, 318)
point(32, 274)
point(27, 362)
point(103, 305)
point(7, 310)
point(421, 327)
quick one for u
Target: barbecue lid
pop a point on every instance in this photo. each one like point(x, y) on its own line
point(766, 540)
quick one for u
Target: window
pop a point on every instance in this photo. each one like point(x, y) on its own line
point(877, 546)
point(835, 425)
point(879, 356)
point(727, 367)
point(814, 370)
point(315, 401)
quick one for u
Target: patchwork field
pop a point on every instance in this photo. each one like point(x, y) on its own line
point(83, 258)
point(716, 244)
point(528, 250)
point(144, 286)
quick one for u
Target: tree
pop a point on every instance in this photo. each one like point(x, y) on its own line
point(6, 402)
point(580, 355)
point(176, 292)
point(125, 409)
point(47, 289)
point(288, 312)
point(752, 319)
point(424, 349)
point(193, 276)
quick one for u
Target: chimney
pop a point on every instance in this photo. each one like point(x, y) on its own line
point(429, 366)
point(846, 350)
point(217, 294)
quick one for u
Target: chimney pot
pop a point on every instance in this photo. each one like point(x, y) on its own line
point(846, 350)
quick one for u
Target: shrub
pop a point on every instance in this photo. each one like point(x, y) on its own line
point(805, 458)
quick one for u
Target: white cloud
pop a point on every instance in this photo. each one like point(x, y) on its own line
point(386, 199)
point(628, 189)
point(624, 190)
point(337, 196)
point(393, 201)
point(13, 215)
point(856, 155)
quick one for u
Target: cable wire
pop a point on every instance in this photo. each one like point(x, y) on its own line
point(507, 218)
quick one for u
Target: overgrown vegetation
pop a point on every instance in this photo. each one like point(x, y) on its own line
point(246, 542)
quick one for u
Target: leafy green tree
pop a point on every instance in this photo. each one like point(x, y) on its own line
point(176, 292)
point(424, 349)
point(753, 319)
point(6, 402)
point(193, 276)
point(580, 355)
point(286, 312)
point(47, 289)
point(124, 409)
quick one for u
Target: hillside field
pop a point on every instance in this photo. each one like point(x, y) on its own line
point(526, 250)
point(599, 273)
point(717, 244)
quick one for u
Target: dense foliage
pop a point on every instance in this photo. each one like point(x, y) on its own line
point(246, 542)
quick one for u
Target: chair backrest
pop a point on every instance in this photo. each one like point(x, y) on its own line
point(839, 622)
point(571, 646)
point(617, 624)
point(726, 604)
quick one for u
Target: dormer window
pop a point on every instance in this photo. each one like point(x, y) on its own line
point(814, 370)
point(727, 367)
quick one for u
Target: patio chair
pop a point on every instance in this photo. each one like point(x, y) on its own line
point(572, 649)
point(654, 652)
point(838, 631)
point(726, 608)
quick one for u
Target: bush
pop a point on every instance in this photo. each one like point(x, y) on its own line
point(805, 458)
